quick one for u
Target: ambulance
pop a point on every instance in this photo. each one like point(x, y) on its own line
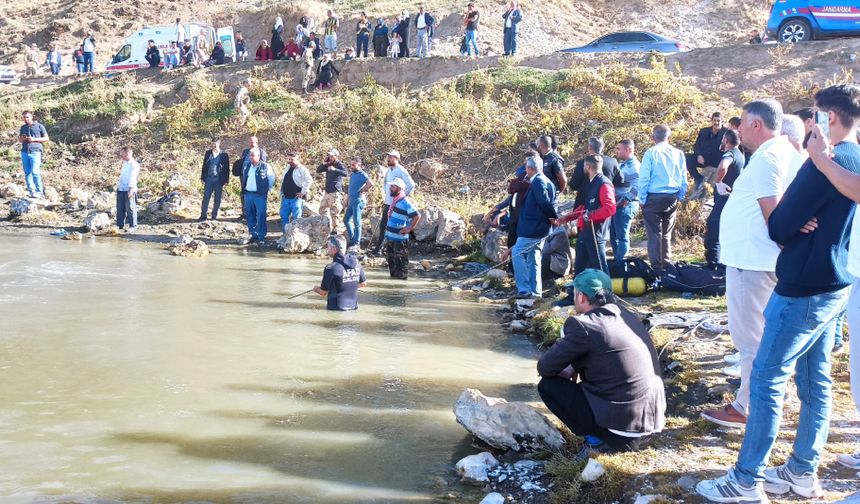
point(133, 51)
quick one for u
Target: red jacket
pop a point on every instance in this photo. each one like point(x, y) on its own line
point(264, 54)
point(599, 208)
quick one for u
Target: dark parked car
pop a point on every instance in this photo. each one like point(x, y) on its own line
point(634, 41)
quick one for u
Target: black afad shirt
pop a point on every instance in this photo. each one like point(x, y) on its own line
point(341, 279)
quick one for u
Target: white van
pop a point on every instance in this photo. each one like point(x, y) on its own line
point(133, 51)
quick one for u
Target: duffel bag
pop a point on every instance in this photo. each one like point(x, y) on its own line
point(694, 278)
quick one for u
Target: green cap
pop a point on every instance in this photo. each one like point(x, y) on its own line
point(592, 282)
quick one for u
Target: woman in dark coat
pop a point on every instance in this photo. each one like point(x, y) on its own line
point(380, 39)
point(277, 43)
point(326, 73)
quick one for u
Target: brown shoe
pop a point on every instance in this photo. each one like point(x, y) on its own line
point(727, 416)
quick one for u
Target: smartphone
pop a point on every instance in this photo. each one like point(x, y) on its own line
point(822, 119)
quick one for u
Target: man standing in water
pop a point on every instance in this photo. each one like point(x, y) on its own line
point(341, 278)
point(402, 219)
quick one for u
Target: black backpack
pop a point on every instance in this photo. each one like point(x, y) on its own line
point(694, 278)
point(632, 267)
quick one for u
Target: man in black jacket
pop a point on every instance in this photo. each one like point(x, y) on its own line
point(553, 164)
point(579, 181)
point(215, 174)
point(153, 57)
point(707, 152)
point(217, 56)
point(602, 379)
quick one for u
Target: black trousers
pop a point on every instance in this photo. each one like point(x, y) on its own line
point(380, 233)
point(567, 401)
point(712, 232)
point(587, 256)
point(397, 254)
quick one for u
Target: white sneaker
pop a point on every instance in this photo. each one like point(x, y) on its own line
point(732, 358)
point(734, 370)
point(805, 485)
point(851, 461)
point(728, 489)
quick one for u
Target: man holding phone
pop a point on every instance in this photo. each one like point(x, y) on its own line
point(32, 135)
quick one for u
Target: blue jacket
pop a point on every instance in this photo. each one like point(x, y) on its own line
point(814, 263)
point(516, 17)
point(265, 178)
point(538, 209)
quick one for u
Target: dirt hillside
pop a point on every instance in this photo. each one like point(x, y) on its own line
point(549, 25)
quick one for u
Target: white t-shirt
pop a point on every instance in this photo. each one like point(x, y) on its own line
point(744, 239)
point(854, 245)
point(88, 45)
point(421, 23)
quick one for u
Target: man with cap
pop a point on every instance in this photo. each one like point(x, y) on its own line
point(332, 202)
point(602, 378)
point(401, 220)
point(341, 278)
point(394, 171)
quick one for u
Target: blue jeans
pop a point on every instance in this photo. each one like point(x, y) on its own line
point(352, 221)
point(510, 41)
point(471, 42)
point(838, 338)
point(32, 164)
point(88, 61)
point(255, 207)
point(81, 67)
point(526, 256)
point(55, 69)
point(361, 43)
point(619, 230)
point(171, 61)
point(291, 209)
point(798, 337)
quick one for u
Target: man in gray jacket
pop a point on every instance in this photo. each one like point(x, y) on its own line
point(602, 378)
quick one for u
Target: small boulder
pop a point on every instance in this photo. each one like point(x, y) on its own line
point(168, 206)
point(508, 426)
point(497, 274)
point(451, 230)
point(427, 265)
point(74, 236)
point(474, 468)
point(180, 240)
point(519, 326)
point(101, 201)
point(11, 191)
point(493, 498)
point(431, 169)
point(429, 223)
point(76, 195)
point(21, 206)
point(593, 471)
point(523, 305)
point(176, 182)
point(647, 499)
point(310, 208)
point(194, 248)
point(494, 245)
point(52, 195)
point(97, 221)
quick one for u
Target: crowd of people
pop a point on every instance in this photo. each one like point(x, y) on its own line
point(782, 227)
point(785, 190)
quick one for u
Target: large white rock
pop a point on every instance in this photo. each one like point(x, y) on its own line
point(494, 245)
point(194, 248)
point(647, 499)
point(445, 227)
point(97, 221)
point(306, 234)
point(474, 468)
point(76, 195)
point(183, 239)
point(13, 191)
point(512, 426)
point(52, 195)
point(493, 498)
point(102, 201)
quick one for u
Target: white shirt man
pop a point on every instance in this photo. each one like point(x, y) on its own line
point(745, 245)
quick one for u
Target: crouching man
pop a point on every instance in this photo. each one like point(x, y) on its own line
point(341, 278)
point(602, 378)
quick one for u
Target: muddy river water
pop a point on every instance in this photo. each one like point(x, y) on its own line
point(128, 375)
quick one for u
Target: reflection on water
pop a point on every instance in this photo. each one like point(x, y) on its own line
point(130, 375)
